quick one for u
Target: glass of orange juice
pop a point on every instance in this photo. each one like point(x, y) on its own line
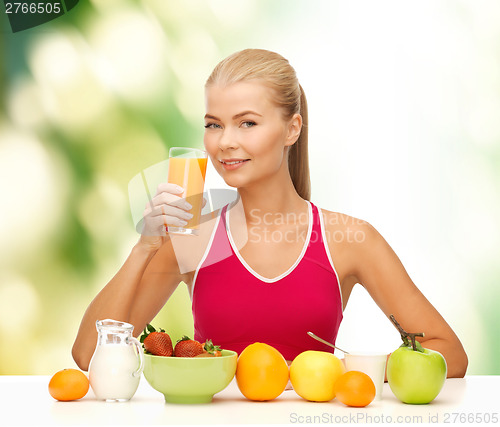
point(187, 168)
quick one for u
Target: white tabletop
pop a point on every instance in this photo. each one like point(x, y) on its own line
point(25, 400)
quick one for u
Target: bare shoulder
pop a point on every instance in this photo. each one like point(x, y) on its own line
point(343, 228)
point(347, 238)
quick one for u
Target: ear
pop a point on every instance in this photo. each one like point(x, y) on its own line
point(294, 128)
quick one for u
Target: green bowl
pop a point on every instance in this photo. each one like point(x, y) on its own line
point(190, 379)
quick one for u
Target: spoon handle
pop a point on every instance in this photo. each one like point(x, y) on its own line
point(325, 342)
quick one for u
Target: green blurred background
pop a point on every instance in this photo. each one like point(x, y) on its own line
point(404, 103)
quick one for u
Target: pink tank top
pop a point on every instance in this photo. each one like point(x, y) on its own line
point(234, 306)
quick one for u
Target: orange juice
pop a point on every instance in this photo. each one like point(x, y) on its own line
point(189, 173)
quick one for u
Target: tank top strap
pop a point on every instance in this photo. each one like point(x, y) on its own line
point(315, 217)
point(316, 239)
point(223, 216)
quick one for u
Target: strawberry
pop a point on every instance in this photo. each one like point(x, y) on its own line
point(212, 349)
point(186, 347)
point(156, 342)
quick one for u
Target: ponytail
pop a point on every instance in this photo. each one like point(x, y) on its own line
point(298, 157)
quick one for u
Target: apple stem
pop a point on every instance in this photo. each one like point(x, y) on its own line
point(405, 335)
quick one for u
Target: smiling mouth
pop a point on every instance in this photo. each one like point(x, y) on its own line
point(234, 162)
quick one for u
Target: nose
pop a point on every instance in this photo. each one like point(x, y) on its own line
point(227, 140)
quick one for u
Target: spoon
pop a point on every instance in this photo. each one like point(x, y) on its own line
point(325, 342)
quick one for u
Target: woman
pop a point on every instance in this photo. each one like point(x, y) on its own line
point(270, 266)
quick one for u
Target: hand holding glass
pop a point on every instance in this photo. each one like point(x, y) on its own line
point(187, 168)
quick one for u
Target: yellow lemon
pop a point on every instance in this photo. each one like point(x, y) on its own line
point(313, 375)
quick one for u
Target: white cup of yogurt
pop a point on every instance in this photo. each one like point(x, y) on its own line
point(372, 364)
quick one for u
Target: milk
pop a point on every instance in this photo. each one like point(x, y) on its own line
point(111, 372)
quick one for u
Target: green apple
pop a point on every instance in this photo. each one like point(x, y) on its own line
point(416, 376)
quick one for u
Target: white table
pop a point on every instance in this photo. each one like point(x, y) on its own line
point(25, 400)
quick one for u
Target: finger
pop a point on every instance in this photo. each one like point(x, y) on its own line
point(171, 199)
point(167, 200)
point(166, 220)
point(167, 187)
point(168, 210)
point(156, 226)
point(173, 220)
point(204, 202)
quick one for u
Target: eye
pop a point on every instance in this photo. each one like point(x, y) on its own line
point(248, 124)
point(212, 126)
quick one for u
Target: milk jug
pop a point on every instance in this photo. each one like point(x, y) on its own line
point(118, 360)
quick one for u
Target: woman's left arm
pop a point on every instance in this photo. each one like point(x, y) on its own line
point(379, 270)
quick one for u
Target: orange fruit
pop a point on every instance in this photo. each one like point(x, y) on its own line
point(355, 388)
point(313, 375)
point(68, 384)
point(261, 372)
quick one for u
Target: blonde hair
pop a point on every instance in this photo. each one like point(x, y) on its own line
point(277, 73)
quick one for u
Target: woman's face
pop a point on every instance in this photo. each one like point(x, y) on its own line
point(245, 133)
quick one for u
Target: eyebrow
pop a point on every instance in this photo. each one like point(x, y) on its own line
point(244, 113)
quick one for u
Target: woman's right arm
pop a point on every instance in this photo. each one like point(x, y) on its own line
point(145, 281)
